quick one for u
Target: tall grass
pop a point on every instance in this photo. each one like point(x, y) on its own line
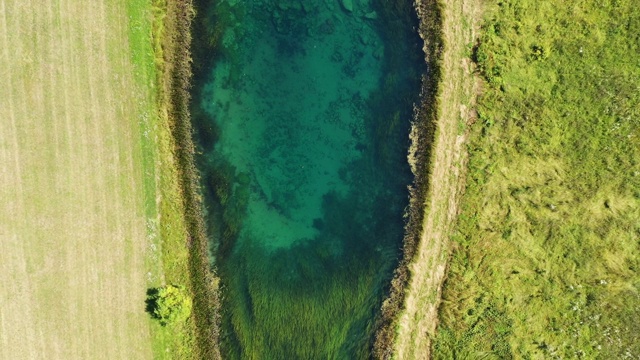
point(177, 82)
point(168, 258)
point(160, 34)
point(547, 253)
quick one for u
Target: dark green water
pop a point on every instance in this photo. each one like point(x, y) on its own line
point(302, 118)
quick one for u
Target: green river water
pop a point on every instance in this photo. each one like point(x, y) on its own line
point(302, 111)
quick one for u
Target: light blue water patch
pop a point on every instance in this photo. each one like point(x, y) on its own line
point(293, 116)
point(307, 109)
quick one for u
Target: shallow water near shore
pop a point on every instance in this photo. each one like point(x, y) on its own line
point(303, 122)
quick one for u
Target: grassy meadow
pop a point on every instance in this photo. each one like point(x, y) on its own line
point(91, 212)
point(546, 250)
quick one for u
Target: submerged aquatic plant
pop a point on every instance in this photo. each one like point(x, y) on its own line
point(275, 136)
point(289, 293)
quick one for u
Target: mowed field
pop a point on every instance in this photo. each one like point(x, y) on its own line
point(73, 219)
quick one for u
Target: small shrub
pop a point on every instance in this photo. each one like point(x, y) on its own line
point(169, 304)
point(538, 52)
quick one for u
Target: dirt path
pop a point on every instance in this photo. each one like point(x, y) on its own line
point(418, 321)
point(72, 222)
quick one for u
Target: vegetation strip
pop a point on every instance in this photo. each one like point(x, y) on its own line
point(422, 134)
point(176, 83)
point(437, 158)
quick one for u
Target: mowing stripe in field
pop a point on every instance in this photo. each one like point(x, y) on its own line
point(72, 223)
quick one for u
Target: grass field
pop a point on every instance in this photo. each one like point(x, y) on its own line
point(84, 200)
point(546, 255)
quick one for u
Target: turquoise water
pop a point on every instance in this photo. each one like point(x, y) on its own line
point(302, 119)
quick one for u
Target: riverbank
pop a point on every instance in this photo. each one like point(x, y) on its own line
point(182, 230)
point(438, 161)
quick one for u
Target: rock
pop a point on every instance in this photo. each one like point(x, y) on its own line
point(379, 52)
point(371, 15)
point(347, 5)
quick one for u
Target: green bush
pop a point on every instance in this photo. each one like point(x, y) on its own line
point(169, 304)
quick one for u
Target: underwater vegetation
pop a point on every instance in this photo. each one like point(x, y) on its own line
point(302, 113)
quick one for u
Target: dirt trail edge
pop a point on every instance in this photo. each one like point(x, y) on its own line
point(448, 29)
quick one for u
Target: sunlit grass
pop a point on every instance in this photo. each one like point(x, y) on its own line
point(547, 254)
